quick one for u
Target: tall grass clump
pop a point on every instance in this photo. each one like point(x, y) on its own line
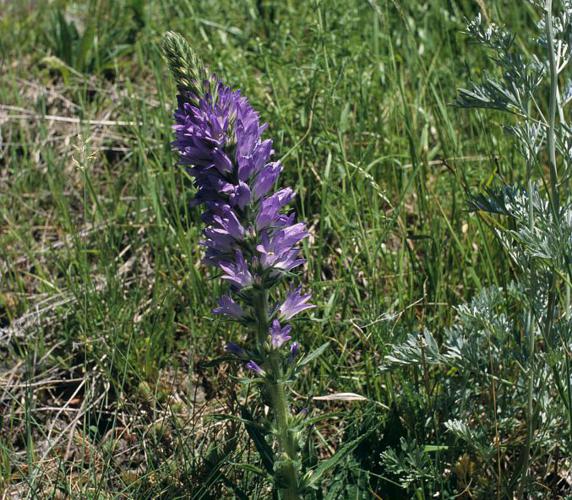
point(92, 43)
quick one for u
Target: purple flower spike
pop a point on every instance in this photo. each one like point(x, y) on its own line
point(251, 365)
point(295, 302)
point(219, 140)
point(249, 235)
point(229, 307)
point(278, 335)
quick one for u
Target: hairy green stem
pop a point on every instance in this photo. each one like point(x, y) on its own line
point(286, 440)
point(261, 311)
point(276, 390)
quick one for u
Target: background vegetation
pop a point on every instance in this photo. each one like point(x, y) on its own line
point(110, 380)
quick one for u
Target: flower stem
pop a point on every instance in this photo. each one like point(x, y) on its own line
point(275, 386)
point(286, 440)
point(261, 312)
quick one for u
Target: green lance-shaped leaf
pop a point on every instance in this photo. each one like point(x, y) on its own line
point(312, 478)
point(313, 355)
point(187, 68)
point(259, 440)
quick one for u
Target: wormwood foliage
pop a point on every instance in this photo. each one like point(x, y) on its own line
point(505, 361)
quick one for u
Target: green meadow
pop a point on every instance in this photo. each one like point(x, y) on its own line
point(114, 381)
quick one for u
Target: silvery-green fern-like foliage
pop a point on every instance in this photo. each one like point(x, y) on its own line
point(506, 362)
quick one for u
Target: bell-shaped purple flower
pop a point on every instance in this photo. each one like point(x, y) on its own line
point(228, 223)
point(279, 335)
point(252, 366)
point(237, 272)
point(238, 195)
point(229, 307)
point(221, 161)
point(271, 206)
point(278, 249)
point(295, 303)
point(294, 351)
point(265, 179)
point(251, 163)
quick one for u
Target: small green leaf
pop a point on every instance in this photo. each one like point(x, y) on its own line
point(428, 448)
point(252, 468)
point(319, 418)
point(313, 355)
point(85, 46)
